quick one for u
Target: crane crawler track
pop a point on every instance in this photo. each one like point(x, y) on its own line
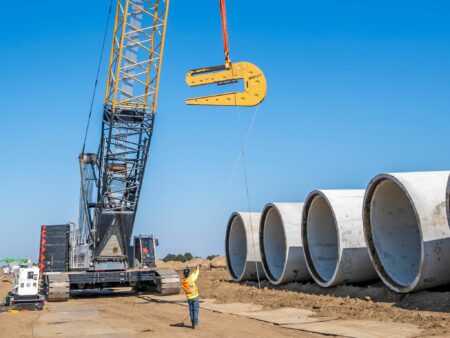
point(167, 282)
point(57, 287)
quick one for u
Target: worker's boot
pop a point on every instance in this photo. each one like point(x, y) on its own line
point(193, 325)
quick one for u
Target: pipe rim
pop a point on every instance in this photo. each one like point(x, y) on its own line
point(368, 236)
point(235, 277)
point(309, 262)
point(270, 276)
point(447, 200)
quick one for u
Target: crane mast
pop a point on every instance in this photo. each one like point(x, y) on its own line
point(111, 180)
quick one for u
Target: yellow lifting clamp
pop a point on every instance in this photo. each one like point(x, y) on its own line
point(254, 80)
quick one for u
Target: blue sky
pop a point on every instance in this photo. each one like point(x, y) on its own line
point(355, 88)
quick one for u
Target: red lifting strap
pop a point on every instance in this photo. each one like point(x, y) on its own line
point(223, 12)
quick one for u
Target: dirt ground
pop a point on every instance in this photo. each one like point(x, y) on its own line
point(128, 314)
point(428, 309)
point(125, 314)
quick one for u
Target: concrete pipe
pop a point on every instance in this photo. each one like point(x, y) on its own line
point(406, 229)
point(242, 246)
point(281, 244)
point(333, 238)
point(447, 201)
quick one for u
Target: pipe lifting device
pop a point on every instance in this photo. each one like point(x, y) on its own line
point(229, 73)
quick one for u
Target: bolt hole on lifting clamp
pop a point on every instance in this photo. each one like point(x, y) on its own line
point(229, 73)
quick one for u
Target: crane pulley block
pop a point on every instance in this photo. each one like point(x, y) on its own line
point(254, 83)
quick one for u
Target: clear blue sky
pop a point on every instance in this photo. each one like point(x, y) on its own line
point(355, 88)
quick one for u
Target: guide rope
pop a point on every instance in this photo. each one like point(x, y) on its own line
point(236, 165)
point(247, 191)
point(244, 166)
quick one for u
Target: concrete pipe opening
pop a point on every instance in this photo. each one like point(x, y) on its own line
point(333, 240)
point(322, 240)
point(280, 243)
point(395, 233)
point(242, 247)
point(274, 245)
point(406, 229)
point(237, 247)
point(447, 201)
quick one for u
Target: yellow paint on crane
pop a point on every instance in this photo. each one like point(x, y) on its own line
point(254, 83)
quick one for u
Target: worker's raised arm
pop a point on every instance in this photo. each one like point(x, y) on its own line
point(195, 274)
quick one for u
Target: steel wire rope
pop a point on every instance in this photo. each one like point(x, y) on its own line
point(98, 74)
point(236, 165)
point(247, 191)
point(244, 165)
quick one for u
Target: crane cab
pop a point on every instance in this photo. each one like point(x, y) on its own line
point(144, 250)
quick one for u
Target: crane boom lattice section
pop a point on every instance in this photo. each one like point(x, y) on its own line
point(130, 102)
point(136, 54)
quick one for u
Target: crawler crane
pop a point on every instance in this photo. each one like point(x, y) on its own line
point(97, 253)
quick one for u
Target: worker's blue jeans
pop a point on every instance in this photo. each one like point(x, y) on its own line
point(193, 310)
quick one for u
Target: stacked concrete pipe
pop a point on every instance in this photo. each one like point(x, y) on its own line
point(242, 246)
point(281, 244)
point(333, 238)
point(406, 229)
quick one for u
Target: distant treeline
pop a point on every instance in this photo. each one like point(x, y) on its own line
point(183, 258)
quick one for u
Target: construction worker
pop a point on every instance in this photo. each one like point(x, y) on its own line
point(191, 291)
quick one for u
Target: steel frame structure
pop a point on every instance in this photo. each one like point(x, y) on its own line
point(127, 126)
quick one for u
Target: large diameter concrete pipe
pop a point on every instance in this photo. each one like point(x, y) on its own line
point(242, 246)
point(447, 201)
point(281, 244)
point(406, 229)
point(333, 238)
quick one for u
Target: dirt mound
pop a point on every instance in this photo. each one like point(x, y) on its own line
point(219, 262)
point(161, 264)
point(203, 263)
point(177, 266)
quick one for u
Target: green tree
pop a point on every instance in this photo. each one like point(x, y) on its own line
point(188, 256)
point(180, 258)
point(169, 257)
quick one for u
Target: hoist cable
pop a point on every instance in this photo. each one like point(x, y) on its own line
point(247, 191)
point(236, 164)
point(97, 76)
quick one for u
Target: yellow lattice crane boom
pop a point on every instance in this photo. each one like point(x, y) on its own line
point(136, 54)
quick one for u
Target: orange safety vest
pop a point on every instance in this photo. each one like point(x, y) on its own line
point(189, 287)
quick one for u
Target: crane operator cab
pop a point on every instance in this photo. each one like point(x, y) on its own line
point(144, 252)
